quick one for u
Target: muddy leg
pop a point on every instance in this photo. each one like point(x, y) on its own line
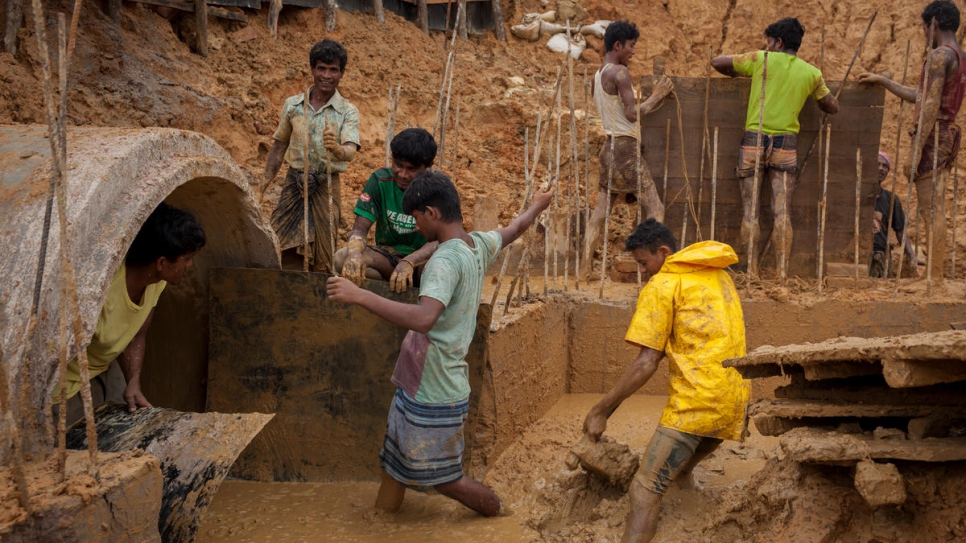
point(391, 494)
point(472, 494)
point(642, 518)
point(594, 229)
point(749, 221)
point(685, 479)
point(924, 192)
point(651, 207)
point(782, 188)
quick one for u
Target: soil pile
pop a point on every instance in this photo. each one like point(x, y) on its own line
point(143, 73)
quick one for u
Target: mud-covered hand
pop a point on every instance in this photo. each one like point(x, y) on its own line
point(662, 87)
point(354, 268)
point(134, 398)
point(332, 144)
point(340, 289)
point(871, 78)
point(543, 198)
point(402, 276)
point(594, 425)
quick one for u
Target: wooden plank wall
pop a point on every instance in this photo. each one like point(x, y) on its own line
point(857, 125)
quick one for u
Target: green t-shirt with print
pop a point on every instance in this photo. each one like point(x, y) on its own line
point(381, 203)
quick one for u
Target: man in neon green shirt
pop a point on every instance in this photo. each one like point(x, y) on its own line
point(161, 253)
point(790, 82)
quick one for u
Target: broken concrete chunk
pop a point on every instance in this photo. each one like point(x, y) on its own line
point(880, 484)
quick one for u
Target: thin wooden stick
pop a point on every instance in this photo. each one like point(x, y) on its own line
point(201, 26)
point(637, 170)
point(610, 180)
point(389, 127)
point(705, 142)
point(714, 182)
point(306, 248)
point(450, 59)
point(895, 171)
point(932, 205)
point(590, 258)
point(917, 151)
point(379, 11)
point(556, 183)
point(667, 154)
point(456, 140)
point(752, 260)
point(332, 226)
point(498, 20)
point(74, 20)
point(955, 212)
point(574, 212)
point(546, 229)
point(783, 263)
point(449, 94)
point(858, 189)
point(824, 204)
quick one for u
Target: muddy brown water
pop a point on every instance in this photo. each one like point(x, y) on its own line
point(523, 476)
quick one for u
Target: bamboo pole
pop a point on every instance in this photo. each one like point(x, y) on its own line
point(752, 260)
point(546, 229)
point(637, 170)
point(589, 257)
point(379, 11)
point(917, 150)
point(824, 205)
point(667, 154)
point(824, 119)
point(930, 248)
point(450, 62)
point(498, 21)
point(422, 15)
point(461, 21)
point(714, 182)
point(14, 20)
point(527, 177)
point(306, 248)
point(955, 212)
point(58, 141)
point(556, 183)
point(456, 139)
point(895, 172)
point(201, 24)
point(705, 142)
point(449, 94)
point(332, 224)
point(573, 234)
point(74, 21)
point(858, 189)
point(610, 180)
point(389, 127)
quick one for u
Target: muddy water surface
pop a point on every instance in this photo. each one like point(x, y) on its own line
point(245, 511)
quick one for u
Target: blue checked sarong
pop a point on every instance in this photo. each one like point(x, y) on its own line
point(424, 442)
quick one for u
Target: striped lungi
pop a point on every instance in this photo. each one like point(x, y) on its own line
point(424, 442)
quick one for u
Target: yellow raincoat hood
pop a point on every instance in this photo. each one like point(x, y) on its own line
point(701, 255)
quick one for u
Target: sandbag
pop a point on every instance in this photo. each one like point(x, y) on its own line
point(597, 29)
point(529, 31)
point(559, 44)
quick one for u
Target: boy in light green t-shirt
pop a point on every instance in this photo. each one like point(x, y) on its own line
point(789, 81)
point(423, 446)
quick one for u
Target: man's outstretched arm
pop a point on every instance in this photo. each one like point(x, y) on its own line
point(725, 65)
point(541, 201)
point(419, 317)
point(904, 93)
point(634, 377)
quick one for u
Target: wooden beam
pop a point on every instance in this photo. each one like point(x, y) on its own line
point(917, 373)
point(816, 446)
point(840, 370)
point(14, 20)
point(185, 6)
point(114, 10)
point(423, 15)
point(799, 409)
point(201, 26)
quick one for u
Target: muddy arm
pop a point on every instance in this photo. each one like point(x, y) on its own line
point(634, 377)
point(723, 64)
point(541, 200)
point(904, 93)
point(274, 162)
point(131, 360)
point(419, 317)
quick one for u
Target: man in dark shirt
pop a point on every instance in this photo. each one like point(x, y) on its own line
point(880, 232)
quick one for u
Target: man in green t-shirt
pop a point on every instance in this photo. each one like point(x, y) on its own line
point(790, 82)
point(399, 248)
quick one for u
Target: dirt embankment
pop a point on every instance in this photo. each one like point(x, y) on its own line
point(143, 73)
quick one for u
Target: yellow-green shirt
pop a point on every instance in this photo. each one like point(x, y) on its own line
point(119, 322)
point(791, 81)
point(341, 116)
point(690, 311)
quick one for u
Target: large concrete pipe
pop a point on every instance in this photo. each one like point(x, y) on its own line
point(116, 177)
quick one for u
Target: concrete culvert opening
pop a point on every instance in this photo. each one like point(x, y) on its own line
point(116, 178)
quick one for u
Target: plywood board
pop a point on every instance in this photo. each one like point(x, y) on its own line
point(857, 125)
point(279, 345)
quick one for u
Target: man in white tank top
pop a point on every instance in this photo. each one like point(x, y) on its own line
point(614, 98)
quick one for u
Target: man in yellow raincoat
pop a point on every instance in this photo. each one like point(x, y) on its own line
point(688, 311)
